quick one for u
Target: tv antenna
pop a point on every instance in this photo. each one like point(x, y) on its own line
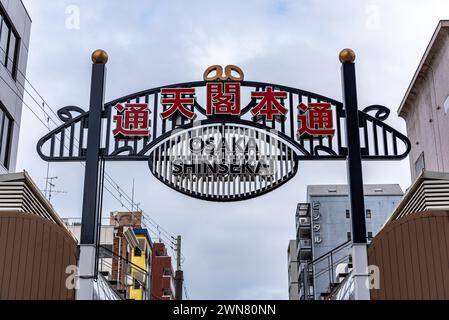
point(49, 191)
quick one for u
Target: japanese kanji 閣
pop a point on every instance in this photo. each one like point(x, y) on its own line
point(223, 98)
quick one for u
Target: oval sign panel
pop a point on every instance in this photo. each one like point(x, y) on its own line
point(223, 161)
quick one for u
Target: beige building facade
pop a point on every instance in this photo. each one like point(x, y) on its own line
point(425, 107)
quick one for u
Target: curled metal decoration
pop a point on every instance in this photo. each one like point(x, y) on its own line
point(217, 73)
point(381, 141)
point(53, 146)
point(382, 113)
point(65, 114)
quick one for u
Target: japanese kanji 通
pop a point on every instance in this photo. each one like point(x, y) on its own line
point(132, 119)
point(315, 119)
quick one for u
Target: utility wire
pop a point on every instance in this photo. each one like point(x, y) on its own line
point(50, 118)
point(109, 179)
point(160, 232)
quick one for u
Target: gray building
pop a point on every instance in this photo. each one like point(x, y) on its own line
point(324, 232)
point(425, 107)
point(293, 284)
point(15, 27)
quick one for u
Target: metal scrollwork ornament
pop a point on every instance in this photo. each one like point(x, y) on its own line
point(65, 114)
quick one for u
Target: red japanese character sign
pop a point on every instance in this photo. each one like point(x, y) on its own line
point(132, 120)
point(269, 105)
point(178, 101)
point(223, 98)
point(316, 119)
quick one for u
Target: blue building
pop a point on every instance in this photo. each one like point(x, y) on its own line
point(323, 226)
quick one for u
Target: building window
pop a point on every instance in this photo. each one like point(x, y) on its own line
point(166, 292)
point(9, 45)
point(368, 213)
point(5, 137)
point(348, 215)
point(137, 252)
point(420, 164)
point(370, 235)
point(167, 272)
point(348, 235)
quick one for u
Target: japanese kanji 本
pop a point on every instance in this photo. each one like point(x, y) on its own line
point(223, 98)
point(132, 120)
point(316, 119)
point(269, 105)
point(178, 101)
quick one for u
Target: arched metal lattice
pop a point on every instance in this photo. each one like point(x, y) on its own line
point(379, 141)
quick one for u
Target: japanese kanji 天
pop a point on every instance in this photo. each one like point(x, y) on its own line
point(132, 119)
point(178, 100)
point(269, 105)
point(316, 119)
point(223, 98)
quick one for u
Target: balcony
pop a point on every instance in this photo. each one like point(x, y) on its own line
point(305, 244)
point(306, 296)
point(304, 248)
point(303, 222)
point(303, 210)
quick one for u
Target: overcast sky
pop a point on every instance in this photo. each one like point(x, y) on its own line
point(236, 250)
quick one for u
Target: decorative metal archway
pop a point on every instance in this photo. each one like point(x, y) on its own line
point(69, 141)
point(333, 131)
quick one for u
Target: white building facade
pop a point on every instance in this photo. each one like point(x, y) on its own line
point(425, 107)
point(293, 278)
point(15, 28)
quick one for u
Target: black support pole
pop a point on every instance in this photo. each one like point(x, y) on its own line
point(355, 177)
point(354, 161)
point(91, 178)
point(92, 197)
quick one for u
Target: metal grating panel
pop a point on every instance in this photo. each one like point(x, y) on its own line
point(429, 192)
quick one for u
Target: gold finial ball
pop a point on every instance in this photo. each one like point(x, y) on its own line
point(100, 56)
point(347, 55)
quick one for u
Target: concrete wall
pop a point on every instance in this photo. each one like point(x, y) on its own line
point(293, 286)
point(12, 98)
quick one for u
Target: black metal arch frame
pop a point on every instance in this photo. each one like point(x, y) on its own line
point(384, 138)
